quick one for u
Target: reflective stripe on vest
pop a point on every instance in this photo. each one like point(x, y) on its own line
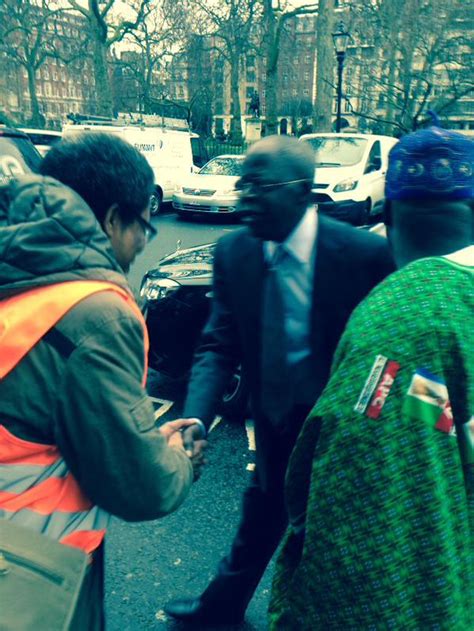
point(36, 488)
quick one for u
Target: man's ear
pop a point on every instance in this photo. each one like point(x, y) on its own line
point(110, 219)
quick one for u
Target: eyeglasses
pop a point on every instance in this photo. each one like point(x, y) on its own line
point(246, 185)
point(149, 231)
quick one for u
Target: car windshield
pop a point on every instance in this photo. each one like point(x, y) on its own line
point(17, 156)
point(222, 166)
point(337, 152)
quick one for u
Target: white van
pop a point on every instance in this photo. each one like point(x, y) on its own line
point(168, 152)
point(349, 176)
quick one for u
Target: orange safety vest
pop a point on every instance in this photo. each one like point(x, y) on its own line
point(37, 489)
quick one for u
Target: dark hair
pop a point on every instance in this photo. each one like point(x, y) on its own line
point(104, 170)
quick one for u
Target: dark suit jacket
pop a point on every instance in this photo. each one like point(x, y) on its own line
point(348, 264)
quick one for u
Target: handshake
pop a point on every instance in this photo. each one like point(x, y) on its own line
point(187, 434)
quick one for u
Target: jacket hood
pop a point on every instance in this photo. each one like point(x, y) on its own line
point(48, 234)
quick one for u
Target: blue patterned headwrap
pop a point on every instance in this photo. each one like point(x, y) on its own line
point(432, 163)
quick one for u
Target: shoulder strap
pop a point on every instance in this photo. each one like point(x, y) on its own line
point(25, 318)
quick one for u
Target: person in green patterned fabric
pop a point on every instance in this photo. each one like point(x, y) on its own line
point(380, 485)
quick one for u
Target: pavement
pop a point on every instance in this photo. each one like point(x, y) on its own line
point(149, 563)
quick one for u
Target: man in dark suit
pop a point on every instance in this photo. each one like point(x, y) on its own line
point(284, 287)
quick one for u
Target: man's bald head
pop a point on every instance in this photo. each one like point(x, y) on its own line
point(286, 153)
point(277, 175)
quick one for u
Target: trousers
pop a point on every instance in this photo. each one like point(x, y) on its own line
point(262, 525)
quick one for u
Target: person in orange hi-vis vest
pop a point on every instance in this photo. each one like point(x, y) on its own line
point(78, 440)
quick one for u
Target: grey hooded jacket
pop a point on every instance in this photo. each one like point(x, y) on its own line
point(80, 386)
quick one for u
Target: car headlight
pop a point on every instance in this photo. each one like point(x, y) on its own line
point(346, 185)
point(154, 289)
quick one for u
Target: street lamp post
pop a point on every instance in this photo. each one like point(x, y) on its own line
point(340, 39)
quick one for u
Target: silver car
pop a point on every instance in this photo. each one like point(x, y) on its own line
point(211, 189)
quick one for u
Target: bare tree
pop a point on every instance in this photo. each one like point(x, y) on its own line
point(29, 34)
point(415, 59)
point(322, 120)
point(159, 37)
point(105, 28)
point(229, 23)
point(276, 14)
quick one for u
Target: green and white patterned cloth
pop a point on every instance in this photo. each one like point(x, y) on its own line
point(381, 506)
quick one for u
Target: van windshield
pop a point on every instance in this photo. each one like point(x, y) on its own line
point(337, 152)
point(223, 166)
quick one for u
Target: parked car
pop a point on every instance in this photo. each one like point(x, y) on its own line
point(17, 156)
point(177, 296)
point(211, 189)
point(43, 139)
point(349, 176)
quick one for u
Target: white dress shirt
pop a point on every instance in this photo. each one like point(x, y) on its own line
point(294, 261)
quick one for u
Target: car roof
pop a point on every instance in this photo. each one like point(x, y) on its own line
point(46, 132)
point(346, 135)
point(10, 131)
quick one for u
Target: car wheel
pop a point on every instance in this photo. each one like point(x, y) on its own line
point(156, 201)
point(235, 400)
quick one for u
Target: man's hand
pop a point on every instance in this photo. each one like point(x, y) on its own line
point(187, 434)
point(172, 431)
point(193, 440)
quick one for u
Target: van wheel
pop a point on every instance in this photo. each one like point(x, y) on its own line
point(156, 201)
point(234, 403)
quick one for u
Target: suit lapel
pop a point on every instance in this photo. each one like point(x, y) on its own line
point(328, 277)
point(248, 272)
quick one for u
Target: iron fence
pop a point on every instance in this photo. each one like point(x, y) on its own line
point(217, 147)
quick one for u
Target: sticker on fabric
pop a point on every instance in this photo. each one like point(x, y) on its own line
point(383, 389)
point(370, 384)
point(428, 400)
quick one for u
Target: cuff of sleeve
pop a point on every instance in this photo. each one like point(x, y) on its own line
point(201, 425)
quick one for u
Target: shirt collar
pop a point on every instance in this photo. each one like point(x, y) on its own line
point(299, 243)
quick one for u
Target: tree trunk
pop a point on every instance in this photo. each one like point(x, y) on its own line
point(235, 121)
point(325, 60)
point(271, 79)
point(37, 119)
point(103, 88)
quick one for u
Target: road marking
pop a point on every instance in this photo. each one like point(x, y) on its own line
point(250, 466)
point(164, 406)
point(215, 423)
point(161, 616)
point(249, 428)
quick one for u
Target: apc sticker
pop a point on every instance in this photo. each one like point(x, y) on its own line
point(383, 389)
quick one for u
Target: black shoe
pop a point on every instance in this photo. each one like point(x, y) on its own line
point(193, 611)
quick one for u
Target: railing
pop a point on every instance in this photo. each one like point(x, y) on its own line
point(217, 147)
